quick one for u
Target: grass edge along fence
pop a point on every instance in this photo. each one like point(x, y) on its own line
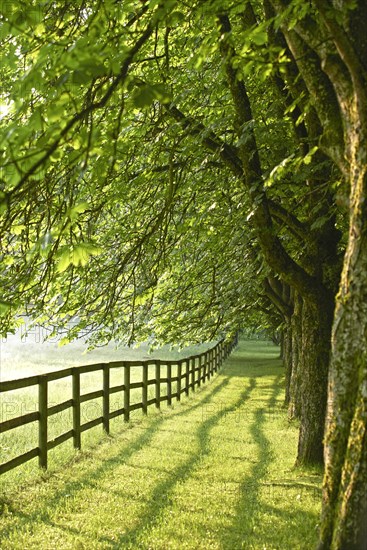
point(192, 371)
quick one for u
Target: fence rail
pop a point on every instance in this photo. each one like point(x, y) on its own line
point(190, 372)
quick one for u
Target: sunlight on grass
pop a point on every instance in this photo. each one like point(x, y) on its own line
point(215, 472)
point(25, 357)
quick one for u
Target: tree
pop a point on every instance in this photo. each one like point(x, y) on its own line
point(329, 44)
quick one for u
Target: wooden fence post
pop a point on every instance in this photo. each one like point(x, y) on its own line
point(158, 384)
point(106, 398)
point(192, 370)
point(145, 390)
point(187, 376)
point(42, 424)
point(169, 384)
point(179, 374)
point(200, 369)
point(76, 409)
point(126, 392)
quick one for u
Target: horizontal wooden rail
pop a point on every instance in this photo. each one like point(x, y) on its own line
point(18, 421)
point(186, 374)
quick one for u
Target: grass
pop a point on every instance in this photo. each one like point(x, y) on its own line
point(30, 357)
point(214, 472)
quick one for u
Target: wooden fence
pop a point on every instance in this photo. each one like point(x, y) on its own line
point(190, 372)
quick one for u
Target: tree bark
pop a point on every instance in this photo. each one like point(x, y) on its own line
point(344, 515)
point(287, 360)
point(294, 407)
point(314, 362)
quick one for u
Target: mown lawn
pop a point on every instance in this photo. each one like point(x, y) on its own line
point(18, 360)
point(215, 472)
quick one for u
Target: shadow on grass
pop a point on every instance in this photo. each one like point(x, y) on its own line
point(242, 366)
point(160, 500)
point(91, 478)
point(251, 492)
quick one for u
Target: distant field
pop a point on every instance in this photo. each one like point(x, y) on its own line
point(22, 355)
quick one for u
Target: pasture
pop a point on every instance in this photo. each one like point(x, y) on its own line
point(26, 356)
point(215, 471)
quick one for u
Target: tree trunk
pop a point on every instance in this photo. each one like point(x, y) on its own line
point(294, 407)
point(287, 360)
point(315, 355)
point(344, 515)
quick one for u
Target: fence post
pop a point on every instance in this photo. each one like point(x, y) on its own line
point(169, 384)
point(187, 376)
point(200, 369)
point(126, 392)
point(179, 374)
point(192, 370)
point(76, 409)
point(158, 384)
point(42, 424)
point(106, 398)
point(145, 390)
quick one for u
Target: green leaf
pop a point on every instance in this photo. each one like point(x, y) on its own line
point(259, 37)
point(77, 209)
point(17, 229)
point(147, 93)
point(63, 342)
point(308, 158)
point(76, 255)
point(4, 307)
point(144, 97)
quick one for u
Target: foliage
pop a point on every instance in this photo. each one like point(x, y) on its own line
point(109, 208)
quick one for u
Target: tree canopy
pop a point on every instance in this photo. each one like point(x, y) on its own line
point(122, 146)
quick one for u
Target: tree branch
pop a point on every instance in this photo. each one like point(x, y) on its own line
point(283, 307)
point(274, 252)
point(92, 107)
point(321, 72)
point(299, 229)
point(227, 153)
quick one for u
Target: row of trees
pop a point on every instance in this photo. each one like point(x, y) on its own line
point(172, 170)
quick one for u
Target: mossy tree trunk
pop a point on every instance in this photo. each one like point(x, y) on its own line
point(294, 406)
point(344, 517)
point(281, 297)
point(287, 361)
point(312, 378)
point(330, 45)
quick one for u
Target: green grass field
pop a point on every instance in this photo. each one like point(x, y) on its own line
point(214, 472)
point(25, 359)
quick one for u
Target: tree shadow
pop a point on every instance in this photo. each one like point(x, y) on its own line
point(106, 468)
point(250, 491)
point(160, 498)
